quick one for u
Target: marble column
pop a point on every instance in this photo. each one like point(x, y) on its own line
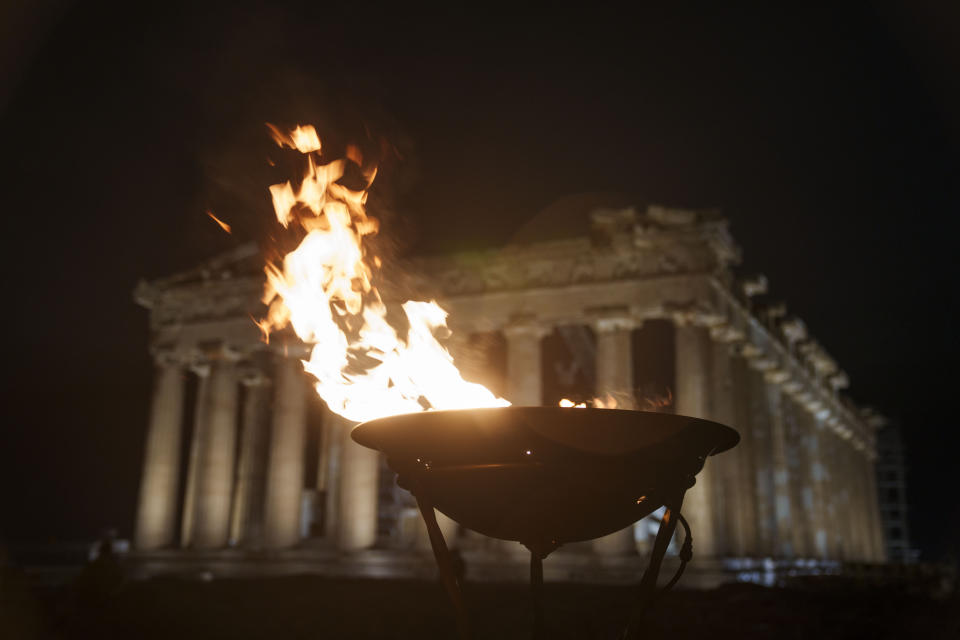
point(157, 509)
point(846, 500)
point(215, 458)
point(692, 399)
point(853, 505)
point(801, 479)
point(246, 526)
point(783, 546)
point(799, 487)
point(873, 509)
point(863, 532)
point(324, 451)
point(358, 487)
point(763, 468)
point(879, 552)
point(817, 475)
point(728, 494)
point(524, 376)
point(202, 371)
point(615, 376)
point(333, 426)
point(831, 502)
point(286, 462)
point(745, 473)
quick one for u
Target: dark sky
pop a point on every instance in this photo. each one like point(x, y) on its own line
point(830, 140)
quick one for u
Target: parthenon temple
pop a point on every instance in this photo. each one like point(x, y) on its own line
point(245, 469)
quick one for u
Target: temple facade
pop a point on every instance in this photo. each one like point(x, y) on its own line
point(245, 468)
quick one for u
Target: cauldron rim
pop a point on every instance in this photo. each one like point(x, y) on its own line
point(593, 431)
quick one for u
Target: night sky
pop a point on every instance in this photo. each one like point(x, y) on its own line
point(829, 140)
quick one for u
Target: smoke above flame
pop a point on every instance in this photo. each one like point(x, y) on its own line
point(365, 367)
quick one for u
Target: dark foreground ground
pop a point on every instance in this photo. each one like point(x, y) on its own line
point(313, 607)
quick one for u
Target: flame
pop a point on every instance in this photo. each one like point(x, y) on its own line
point(648, 402)
point(303, 139)
point(605, 402)
point(365, 367)
point(223, 225)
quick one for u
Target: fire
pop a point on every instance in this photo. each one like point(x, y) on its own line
point(364, 366)
point(223, 225)
point(647, 401)
point(605, 402)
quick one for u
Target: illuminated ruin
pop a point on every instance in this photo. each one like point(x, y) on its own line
point(247, 472)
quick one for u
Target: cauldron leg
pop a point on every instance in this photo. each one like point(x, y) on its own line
point(536, 594)
point(447, 573)
point(648, 583)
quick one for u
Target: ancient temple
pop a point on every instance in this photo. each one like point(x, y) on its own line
point(245, 469)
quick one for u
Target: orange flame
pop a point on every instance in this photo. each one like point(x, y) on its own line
point(605, 402)
point(365, 368)
point(223, 225)
point(648, 402)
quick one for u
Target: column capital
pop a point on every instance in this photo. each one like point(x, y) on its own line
point(218, 351)
point(795, 389)
point(698, 318)
point(727, 333)
point(617, 318)
point(839, 380)
point(200, 367)
point(607, 324)
point(749, 351)
point(794, 330)
point(165, 356)
point(817, 357)
point(695, 313)
point(289, 346)
point(763, 363)
point(255, 369)
point(754, 285)
point(776, 376)
point(791, 386)
point(253, 377)
point(530, 326)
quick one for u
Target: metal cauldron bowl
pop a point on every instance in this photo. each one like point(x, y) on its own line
point(545, 476)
